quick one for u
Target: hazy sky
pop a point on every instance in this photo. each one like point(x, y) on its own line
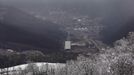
point(125, 6)
point(114, 11)
point(108, 6)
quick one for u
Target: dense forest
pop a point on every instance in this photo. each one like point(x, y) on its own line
point(117, 60)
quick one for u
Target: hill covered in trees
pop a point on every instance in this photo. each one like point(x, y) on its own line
point(117, 60)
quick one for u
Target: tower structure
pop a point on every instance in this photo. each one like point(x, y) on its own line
point(68, 42)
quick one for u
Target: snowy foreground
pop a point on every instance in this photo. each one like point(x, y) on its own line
point(39, 65)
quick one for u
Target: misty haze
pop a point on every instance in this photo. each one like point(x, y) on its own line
point(66, 37)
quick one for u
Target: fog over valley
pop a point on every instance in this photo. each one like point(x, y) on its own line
point(114, 13)
point(86, 37)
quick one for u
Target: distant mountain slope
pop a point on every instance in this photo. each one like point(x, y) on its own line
point(114, 33)
point(22, 28)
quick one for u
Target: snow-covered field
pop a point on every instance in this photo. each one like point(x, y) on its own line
point(39, 65)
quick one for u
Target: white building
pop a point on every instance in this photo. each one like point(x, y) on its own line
point(67, 45)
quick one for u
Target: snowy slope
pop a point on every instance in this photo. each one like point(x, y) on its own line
point(23, 66)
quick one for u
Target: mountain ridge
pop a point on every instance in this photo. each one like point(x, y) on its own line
point(20, 27)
